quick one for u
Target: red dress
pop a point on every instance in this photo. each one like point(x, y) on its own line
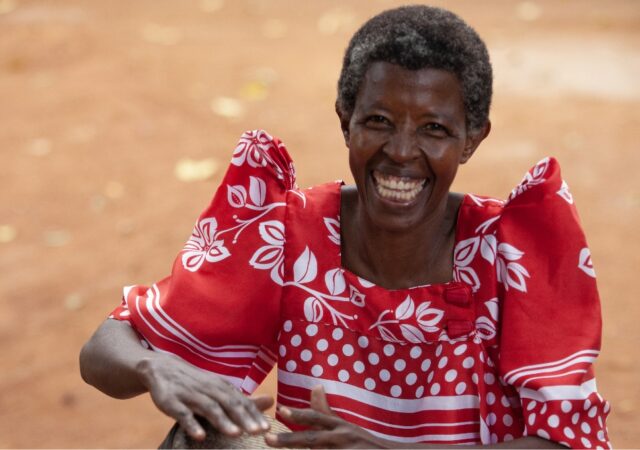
point(504, 350)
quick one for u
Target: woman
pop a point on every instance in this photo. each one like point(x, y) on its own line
point(399, 313)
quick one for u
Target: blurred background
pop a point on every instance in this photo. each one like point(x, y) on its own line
point(118, 118)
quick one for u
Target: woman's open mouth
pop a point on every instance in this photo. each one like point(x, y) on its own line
point(398, 189)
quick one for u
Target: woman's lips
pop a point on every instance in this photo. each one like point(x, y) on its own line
point(398, 189)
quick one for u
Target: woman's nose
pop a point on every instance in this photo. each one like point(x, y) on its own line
point(402, 147)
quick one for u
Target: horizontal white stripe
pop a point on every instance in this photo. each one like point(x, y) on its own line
point(386, 424)
point(443, 403)
point(563, 374)
point(591, 352)
point(569, 364)
point(560, 392)
point(249, 385)
point(474, 437)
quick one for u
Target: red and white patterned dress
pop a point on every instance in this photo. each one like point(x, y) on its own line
point(504, 350)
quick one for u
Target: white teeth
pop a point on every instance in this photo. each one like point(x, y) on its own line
point(397, 188)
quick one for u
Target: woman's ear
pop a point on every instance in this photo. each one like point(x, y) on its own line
point(344, 123)
point(474, 138)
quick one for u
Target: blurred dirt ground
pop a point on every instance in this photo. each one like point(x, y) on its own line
point(117, 119)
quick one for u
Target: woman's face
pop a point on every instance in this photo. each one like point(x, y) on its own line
point(406, 137)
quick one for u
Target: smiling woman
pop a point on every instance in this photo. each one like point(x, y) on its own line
point(398, 313)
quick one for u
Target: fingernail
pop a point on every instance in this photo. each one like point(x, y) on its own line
point(264, 424)
point(233, 429)
point(285, 411)
point(270, 436)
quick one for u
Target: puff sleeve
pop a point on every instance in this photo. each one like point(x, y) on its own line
point(551, 324)
point(219, 309)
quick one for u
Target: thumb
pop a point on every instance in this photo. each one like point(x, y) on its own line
point(319, 401)
point(263, 401)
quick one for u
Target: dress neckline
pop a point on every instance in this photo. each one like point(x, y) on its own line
point(369, 284)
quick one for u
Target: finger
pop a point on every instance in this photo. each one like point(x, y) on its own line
point(309, 417)
point(189, 424)
point(302, 439)
point(263, 401)
point(243, 412)
point(216, 416)
point(319, 401)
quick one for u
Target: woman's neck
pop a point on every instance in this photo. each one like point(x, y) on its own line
point(398, 259)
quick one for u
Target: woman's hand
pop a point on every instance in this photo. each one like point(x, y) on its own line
point(182, 391)
point(326, 429)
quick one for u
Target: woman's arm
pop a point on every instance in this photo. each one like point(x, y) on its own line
point(115, 362)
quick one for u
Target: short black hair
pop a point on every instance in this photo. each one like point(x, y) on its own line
point(418, 37)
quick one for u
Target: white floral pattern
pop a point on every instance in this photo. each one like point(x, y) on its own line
point(202, 246)
point(402, 319)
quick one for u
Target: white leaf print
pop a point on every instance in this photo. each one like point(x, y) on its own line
point(277, 272)
point(513, 275)
point(585, 264)
point(465, 251)
point(257, 190)
point(236, 196)
point(485, 328)
point(405, 309)
point(387, 335)
point(488, 248)
point(313, 309)
point(540, 168)
point(564, 193)
point(484, 226)
point(492, 306)
point(272, 231)
point(411, 333)
point(334, 229)
point(364, 283)
point(266, 257)
point(427, 317)
point(334, 279)
point(305, 268)
point(509, 252)
point(217, 252)
point(202, 246)
point(356, 297)
point(467, 275)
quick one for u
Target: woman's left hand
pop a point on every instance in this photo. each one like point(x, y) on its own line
point(327, 430)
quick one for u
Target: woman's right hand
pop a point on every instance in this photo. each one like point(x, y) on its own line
point(182, 391)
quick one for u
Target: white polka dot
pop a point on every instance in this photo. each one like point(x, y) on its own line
point(443, 362)
point(532, 404)
point(505, 401)
point(490, 362)
point(507, 420)
point(489, 378)
point(291, 366)
point(316, 370)
point(370, 384)
point(389, 349)
point(491, 419)
point(312, 330)
point(288, 325)
point(460, 349)
point(593, 411)
point(600, 422)
point(411, 379)
point(385, 375)
point(435, 388)
point(296, 340)
point(396, 391)
point(587, 404)
point(474, 378)
point(347, 349)
point(358, 366)
point(601, 436)
point(343, 376)
point(509, 437)
point(468, 362)
point(282, 350)
point(430, 377)
point(439, 350)
point(543, 410)
point(363, 342)
point(494, 438)
point(337, 334)
point(553, 421)
point(332, 359)
point(575, 418)
point(568, 432)
point(144, 343)
point(607, 406)
point(425, 365)
point(374, 358)
point(586, 442)
point(322, 345)
point(305, 355)
point(565, 406)
point(532, 419)
point(586, 429)
point(460, 388)
point(543, 434)
point(399, 365)
point(125, 313)
point(415, 352)
point(419, 392)
point(491, 398)
point(451, 375)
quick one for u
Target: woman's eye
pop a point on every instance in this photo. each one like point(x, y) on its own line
point(378, 121)
point(436, 128)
